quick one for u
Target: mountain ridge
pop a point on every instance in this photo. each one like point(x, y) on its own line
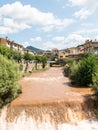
point(34, 49)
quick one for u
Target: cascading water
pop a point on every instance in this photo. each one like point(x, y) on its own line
point(49, 103)
point(55, 116)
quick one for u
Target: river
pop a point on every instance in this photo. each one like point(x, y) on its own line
point(49, 102)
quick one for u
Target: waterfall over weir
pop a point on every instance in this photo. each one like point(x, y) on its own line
point(49, 103)
point(54, 116)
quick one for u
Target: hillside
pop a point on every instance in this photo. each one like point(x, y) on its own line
point(34, 49)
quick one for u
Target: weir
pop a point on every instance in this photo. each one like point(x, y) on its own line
point(50, 116)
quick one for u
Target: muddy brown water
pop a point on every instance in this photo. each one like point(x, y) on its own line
point(49, 86)
point(50, 102)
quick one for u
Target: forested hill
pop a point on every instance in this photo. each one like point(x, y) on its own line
point(34, 49)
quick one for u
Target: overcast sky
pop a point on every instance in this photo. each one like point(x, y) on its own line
point(48, 24)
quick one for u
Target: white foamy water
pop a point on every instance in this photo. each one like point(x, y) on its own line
point(83, 125)
point(28, 123)
point(44, 79)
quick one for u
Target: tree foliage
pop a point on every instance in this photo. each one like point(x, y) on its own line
point(67, 67)
point(82, 72)
point(28, 56)
point(10, 53)
point(17, 56)
point(5, 51)
point(43, 59)
point(94, 86)
point(9, 74)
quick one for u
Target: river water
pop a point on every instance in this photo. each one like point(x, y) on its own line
point(48, 102)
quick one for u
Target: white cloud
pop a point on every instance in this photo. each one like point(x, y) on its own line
point(86, 25)
point(74, 40)
point(87, 31)
point(25, 16)
point(59, 25)
point(50, 45)
point(75, 37)
point(10, 26)
point(83, 13)
point(25, 44)
point(47, 28)
point(58, 38)
point(96, 38)
point(87, 7)
point(36, 39)
point(13, 24)
point(84, 3)
point(6, 30)
point(77, 2)
point(71, 40)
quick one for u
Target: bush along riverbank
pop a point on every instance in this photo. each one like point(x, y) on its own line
point(84, 73)
point(9, 75)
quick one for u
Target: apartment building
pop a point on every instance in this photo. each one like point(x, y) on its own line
point(95, 46)
point(90, 45)
point(80, 49)
point(47, 52)
point(62, 54)
point(3, 41)
point(15, 46)
point(11, 44)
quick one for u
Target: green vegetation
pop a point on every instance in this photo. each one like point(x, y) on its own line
point(84, 73)
point(10, 53)
point(94, 86)
point(5, 51)
point(80, 72)
point(17, 56)
point(68, 63)
point(43, 59)
point(28, 57)
point(9, 74)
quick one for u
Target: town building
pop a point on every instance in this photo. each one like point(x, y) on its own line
point(62, 54)
point(15, 46)
point(90, 45)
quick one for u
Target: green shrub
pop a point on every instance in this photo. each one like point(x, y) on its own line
point(66, 69)
point(83, 71)
point(69, 61)
point(20, 67)
point(94, 85)
point(74, 72)
point(9, 74)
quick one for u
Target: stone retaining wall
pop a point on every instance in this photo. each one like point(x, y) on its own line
point(32, 67)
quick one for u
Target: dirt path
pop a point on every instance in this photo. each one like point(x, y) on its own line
point(49, 86)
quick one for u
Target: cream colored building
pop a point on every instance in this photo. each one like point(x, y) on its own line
point(15, 46)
